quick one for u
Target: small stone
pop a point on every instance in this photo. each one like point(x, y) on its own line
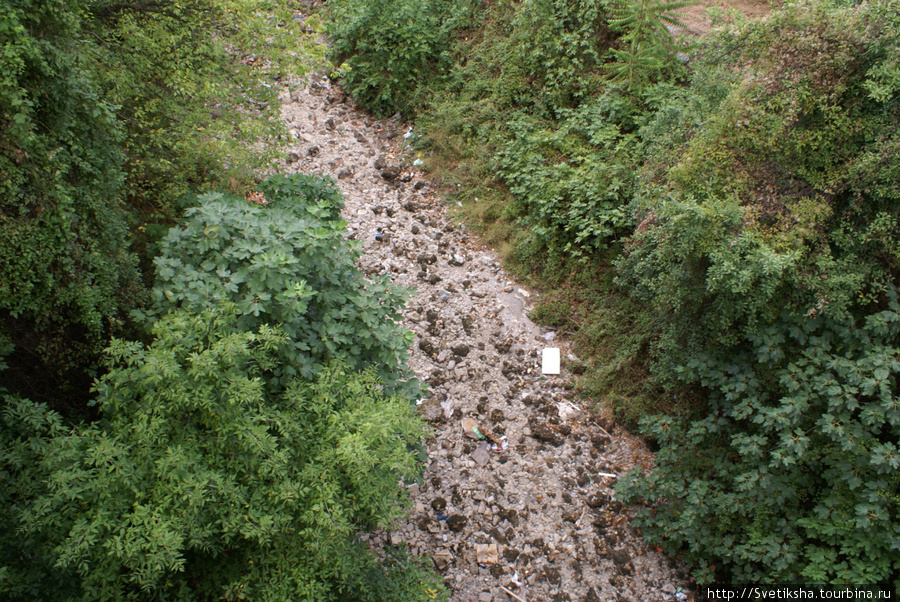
point(460, 349)
point(329, 123)
point(622, 560)
point(427, 347)
point(542, 432)
point(441, 560)
point(591, 596)
point(669, 589)
point(392, 172)
point(345, 173)
point(380, 162)
point(457, 523)
point(598, 500)
point(481, 454)
point(485, 597)
point(414, 229)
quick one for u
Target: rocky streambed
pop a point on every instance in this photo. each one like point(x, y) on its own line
point(517, 500)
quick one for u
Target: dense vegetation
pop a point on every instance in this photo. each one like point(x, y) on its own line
point(728, 218)
point(202, 397)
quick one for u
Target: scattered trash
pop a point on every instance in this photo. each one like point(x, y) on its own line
point(550, 360)
point(417, 162)
point(509, 593)
point(470, 427)
point(442, 517)
point(515, 580)
point(681, 597)
point(447, 406)
point(500, 445)
point(607, 474)
point(567, 410)
point(486, 553)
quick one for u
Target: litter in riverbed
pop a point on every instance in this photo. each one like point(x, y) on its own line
point(470, 428)
point(550, 360)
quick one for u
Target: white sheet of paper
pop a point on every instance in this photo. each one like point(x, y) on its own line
point(550, 361)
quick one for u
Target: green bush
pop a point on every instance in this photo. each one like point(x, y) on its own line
point(208, 479)
point(767, 251)
point(286, 264)
point(795, 473)
point(391, 52)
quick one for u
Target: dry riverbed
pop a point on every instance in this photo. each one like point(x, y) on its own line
point(528, 512)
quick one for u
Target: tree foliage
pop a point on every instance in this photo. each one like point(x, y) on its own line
point(208, 479)
point(768, 252)
point(389, 52)
point(110, 112)
point(192, 83)
point(239, 454)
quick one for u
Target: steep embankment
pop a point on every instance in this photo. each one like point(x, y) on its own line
point(536, 513)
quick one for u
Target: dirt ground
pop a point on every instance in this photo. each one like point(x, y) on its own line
point(697, 22)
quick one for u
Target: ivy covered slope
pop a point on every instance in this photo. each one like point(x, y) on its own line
point(769, 249)
point(110, 112)
point(748, 201)
point(238, 454)
point(66, 270)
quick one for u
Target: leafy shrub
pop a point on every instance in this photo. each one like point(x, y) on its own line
point(766, 209)
point(647, 50)
point(756, 252)
point(795, 472)
point(391, 51)
point(573, 177)
point(286, 264)
point(209, 479)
